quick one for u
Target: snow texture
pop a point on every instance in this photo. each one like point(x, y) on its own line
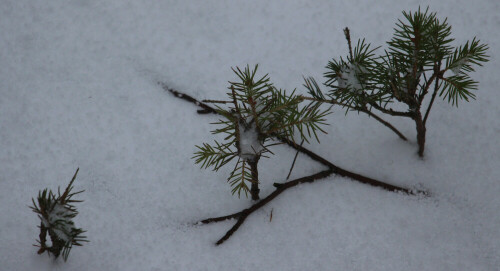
point(78, 88)
point(58, 219)
point(250, 145)
point(348, 78)
point(458, 66)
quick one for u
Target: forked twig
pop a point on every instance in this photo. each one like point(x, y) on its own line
point(242, 215)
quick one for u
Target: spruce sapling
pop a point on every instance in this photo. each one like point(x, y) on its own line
point(419, 60)
point(258, 113)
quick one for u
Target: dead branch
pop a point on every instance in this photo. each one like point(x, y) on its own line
point(206, 108)
point(242, 215)
point(345, 173)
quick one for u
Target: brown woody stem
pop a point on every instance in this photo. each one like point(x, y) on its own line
point(254, 189)
point(387, 124)
point(348, 38)
point(353, 176)
point(421, 131)
point(436, 88)
point(206, 108)
point(391, 112)
point(241, 216)
point(364, 110)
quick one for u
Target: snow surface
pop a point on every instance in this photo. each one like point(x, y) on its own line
point(78, 89)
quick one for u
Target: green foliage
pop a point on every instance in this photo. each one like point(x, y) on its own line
point(419, 56)
point(461, 63)
point(419, 48)
point(258, 113)
point(351, 80)
point(56, 214)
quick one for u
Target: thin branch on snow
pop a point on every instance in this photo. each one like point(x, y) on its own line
point(206, 108)
point(354, 176)
point(242, 215)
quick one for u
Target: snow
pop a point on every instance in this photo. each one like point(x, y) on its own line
point(348, 78)
point(458, 66)
point(78, 88)
point(250, 145)
point(58, 218)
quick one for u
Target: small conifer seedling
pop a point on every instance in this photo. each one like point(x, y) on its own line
point(419, 60)
point(258, 113)
point(56, 214)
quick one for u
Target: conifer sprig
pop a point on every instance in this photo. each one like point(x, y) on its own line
point(419, 56)
point(258, 112)
point(56, 214)
point(350, 79)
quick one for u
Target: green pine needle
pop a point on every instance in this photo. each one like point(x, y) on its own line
point(56, 215)
point(263, 110)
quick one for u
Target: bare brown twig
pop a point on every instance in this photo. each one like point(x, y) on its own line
point(364, 110)
point(436, 88)
point(242, 215)
point(206, 108)
point(348, 38)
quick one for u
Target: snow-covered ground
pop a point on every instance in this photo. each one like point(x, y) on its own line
point(78, 89)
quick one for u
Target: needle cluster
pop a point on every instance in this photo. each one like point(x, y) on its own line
point(419, 60)
point(56, 213)
point(258, 113)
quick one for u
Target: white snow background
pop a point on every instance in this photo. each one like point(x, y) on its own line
point(78, 89)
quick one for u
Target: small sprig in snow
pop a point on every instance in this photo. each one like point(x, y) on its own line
point(418, 56)
point(56, 214)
